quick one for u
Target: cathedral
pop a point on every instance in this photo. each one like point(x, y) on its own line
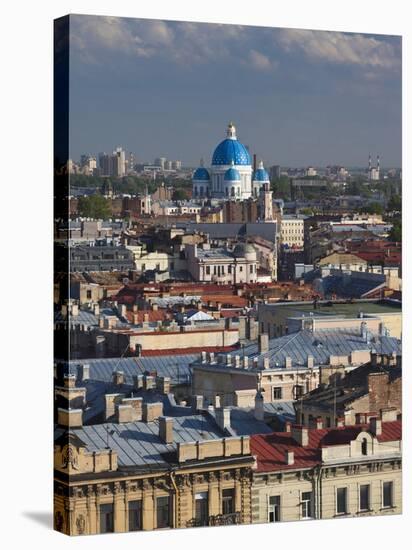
point(230, 175)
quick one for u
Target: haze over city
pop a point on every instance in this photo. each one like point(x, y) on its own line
point(298, 97)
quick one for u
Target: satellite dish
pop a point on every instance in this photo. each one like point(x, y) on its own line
point(125, 280)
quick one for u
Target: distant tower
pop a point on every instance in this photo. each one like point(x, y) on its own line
point(266, 203)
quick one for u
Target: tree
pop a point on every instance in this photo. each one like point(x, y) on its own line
point(373, 208)
point(395, 234)
point(281, 187)
point(179, 195)
point(395, 203)
point(94, 206)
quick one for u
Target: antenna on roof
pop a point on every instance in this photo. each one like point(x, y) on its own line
point(108, 433)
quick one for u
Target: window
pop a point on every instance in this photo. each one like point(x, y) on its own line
point(135, 515)
point(251, 268)
point(201, 508)
point(297, 391)
point(208, 270)
point(364, 446)
point(106, 518)
point(364, 491)
point(274, 509)
point(341, 500)
point(307, 505)
point(162, 512)
point(89, 294)
point(241, 268)
point(387, 494)
point(277, 393)
point(228, 501)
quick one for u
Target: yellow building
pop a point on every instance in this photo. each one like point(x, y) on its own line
point(350, 471)
point(158, 473)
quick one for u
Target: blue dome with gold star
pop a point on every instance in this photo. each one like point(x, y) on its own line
point(201, 174)
point(260, 174)
point(230, 150)
point(232, 175)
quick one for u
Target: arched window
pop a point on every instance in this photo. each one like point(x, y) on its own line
point(364, 446)
point(232, 191)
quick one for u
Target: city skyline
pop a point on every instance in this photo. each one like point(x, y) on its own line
point(298, 97)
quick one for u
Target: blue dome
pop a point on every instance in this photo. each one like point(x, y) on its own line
point(232, 175)
point(201, 174)
point(260, 175)
point(231, 150)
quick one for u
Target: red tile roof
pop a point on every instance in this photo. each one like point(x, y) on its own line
point(270, 449)
point(152, 315)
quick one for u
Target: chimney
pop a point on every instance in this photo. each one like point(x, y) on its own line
point(96, 309)
point(149, 382)
point(237, 361)
point(84, 372)
point(137, 381)
point(136, 403)
point(71, 418)
point(222, 416)
point(288, 362)
point(319, 423)
point(197, 402)
point(311, 362)
point(288, 426)
point(152, 411)
point(340, 422)
point(163, 384)
point(69, 381)
point(263, 343)
point(228, 359)
point(300, 434)
point(290, 457)
point(376, 426)
point(259, 411)
point(145, 317)
point(118, 377)
point(166, 429)
point(245, 362)
point(266, 364)
point(124, 413)
point(216, 401)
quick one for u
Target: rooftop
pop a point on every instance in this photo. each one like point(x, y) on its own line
point(270, 449)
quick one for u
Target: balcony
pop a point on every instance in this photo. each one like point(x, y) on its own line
point(220, 519)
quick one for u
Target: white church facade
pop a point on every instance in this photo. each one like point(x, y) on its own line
point(230, 175)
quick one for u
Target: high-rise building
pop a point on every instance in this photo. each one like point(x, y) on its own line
point(374, 171)
point(118, 162)
point(160, 161)
point(274, 172)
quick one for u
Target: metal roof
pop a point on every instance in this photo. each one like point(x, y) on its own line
point(320, 344)
point(139, 444)
point(176, 367)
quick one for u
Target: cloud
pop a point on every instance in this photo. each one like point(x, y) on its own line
point(342, 48)
point(183, 43)
point(261, 61)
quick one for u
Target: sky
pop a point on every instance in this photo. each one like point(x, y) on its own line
point(297, 97)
